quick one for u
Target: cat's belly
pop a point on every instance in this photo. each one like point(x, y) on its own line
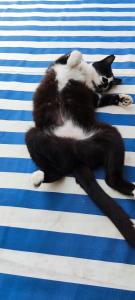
point(70, 130)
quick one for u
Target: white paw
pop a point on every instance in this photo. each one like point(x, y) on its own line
point(125, 100)
point(37, 178)
point(74, 59)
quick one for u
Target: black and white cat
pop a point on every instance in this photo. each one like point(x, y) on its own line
point(68, 140)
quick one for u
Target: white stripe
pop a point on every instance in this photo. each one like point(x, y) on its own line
point(130, 159)
point(128, 110)
point(15, 104)
point(126, 89)
point(126, 131)
point(31, 87)
point(84, 45)
point(27, 105)
point(22, 70)
point(63, 6)
point(23, 126)
point(41, 71)
point(124, 72)
point(65, 33)
point(68, 269)
point(64, 222)
point(15, 126)
point(18, 86)
point(52, 57)
point(68, 14)
point(20, 151)
point(14, 151)
point(68, 23)
point(66, 185)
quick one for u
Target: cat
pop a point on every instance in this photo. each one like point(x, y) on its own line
point(68, 140)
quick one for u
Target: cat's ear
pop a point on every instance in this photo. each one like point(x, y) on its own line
point(109, 59)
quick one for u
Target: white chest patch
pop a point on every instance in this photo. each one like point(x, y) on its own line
point(70, 130)
point(64, 73)
point(83, 72)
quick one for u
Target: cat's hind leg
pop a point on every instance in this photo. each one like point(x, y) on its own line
point(47, 153)
point(114, 167)
point(116, 181)
point(74, 59)
point(39, 177)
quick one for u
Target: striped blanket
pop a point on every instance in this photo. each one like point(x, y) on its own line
point(55, 244)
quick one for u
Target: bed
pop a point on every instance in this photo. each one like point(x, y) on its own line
point(55, 244)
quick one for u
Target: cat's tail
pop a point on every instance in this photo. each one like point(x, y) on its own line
point(86, 179)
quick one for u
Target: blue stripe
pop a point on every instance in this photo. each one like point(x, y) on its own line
point(40, 50)
point(56, 290)
point(124, 65)
point(129, 173)
point(57, 201)
point(68, 2)
point(69, 245)
point(129, 144)
point(16, 95)
point(77, 9)
point(68, 28)
point(8, 77)
point(15, 138)
point(66, 18)
point(37, 78)
point(114, 119)
point(80, 39)
point(26, 165)
point(15, 115)
point(12, 138)
point(21, 95)
point(25, 63)
point(19, 165)
point(45, 64)
point(20, 77)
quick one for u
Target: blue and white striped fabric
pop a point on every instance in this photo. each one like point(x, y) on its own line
point(55, 244)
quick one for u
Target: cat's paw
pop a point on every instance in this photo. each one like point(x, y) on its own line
point(74, 59)
point(125, 100)
point(37, 178)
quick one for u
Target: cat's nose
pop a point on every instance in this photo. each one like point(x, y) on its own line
point(105, 80)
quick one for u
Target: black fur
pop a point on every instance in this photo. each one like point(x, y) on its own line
point(104, 66)
point(58, 157)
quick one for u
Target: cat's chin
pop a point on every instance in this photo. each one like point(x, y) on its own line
point(100, 89)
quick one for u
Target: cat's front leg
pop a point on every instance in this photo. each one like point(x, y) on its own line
point(119, 99)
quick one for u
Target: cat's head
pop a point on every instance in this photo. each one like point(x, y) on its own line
point(104, 79)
